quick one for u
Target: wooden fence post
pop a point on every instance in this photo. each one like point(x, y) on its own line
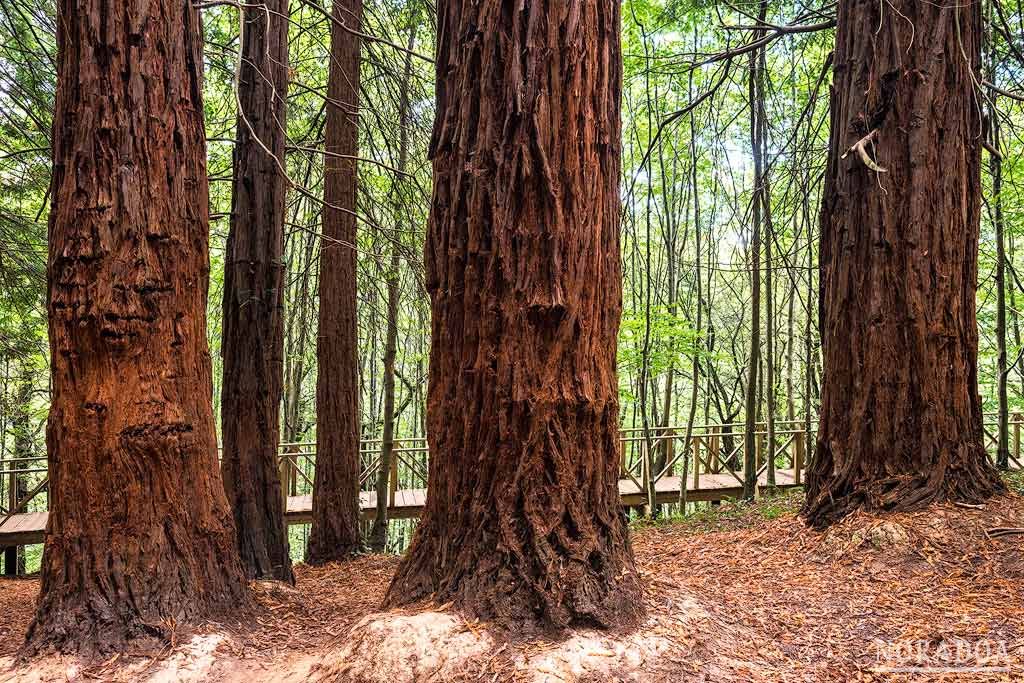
point(650, 484)
point(696, 464)
point(393, 474)
point(293, 474)
point(670, 452)
point(1016, 419)
point(798, 457)
point(714, 466)
point(284, 472)
point(758, 446)
point(11, 553)
point(622, 459)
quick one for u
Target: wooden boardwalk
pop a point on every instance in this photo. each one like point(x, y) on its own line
point(23, 529)
point(29, 528)
point(711, 451)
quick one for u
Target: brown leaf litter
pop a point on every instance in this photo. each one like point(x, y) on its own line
point(742, 595)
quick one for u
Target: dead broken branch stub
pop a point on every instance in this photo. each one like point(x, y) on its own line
point(860, 148)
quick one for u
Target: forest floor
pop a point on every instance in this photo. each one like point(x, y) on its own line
point(741, 593)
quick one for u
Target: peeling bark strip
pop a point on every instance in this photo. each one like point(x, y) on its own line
point(253, 339)
point(522, 521)
point(901, 421)
point(139, 532)
point(334, 533)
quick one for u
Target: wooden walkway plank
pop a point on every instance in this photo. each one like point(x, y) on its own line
point(29, 528)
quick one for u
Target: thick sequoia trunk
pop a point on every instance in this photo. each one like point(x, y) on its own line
point(901, 422)
point(140, 531)
point(522, 521)
point(334, 533)
point(253, 339)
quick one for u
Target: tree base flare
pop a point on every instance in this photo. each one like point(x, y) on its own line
point(964, 475)
point(493, 590)
point(762, 605)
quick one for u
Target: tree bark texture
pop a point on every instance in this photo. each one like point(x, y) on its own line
point(139, 531)
point(334, 533)
point(901, 422)
point(253, 335)
point(522, 522)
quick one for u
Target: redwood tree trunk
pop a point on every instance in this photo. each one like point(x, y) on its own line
point(522, 522)
point(140, 531)
point(901, 422)
point(253, 340)
point(335, 530)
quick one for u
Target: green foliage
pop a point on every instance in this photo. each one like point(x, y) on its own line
point(673, 339)
point(1015, 481)
point(728, 515)
point(27, 48)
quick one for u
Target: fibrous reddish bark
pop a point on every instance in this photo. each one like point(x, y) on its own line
point(253, 336)
point(334, 533)
point(522, 521)
point(140, 532)
point(901, 422)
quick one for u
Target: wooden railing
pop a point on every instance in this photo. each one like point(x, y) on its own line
point(647, 457)
point(23, 480)
point(408, 468)
point(715, 449)
point(991, 438)
point(657, 452)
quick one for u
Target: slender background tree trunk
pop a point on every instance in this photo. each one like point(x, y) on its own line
point(755, 94)
point(698, 325)
point(522, 522)
point(1002, 369)
point(21, 425)
point(140, 531)
point(995, 167)
point(253, 334)
point(334, 533)
point(379, 530)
